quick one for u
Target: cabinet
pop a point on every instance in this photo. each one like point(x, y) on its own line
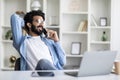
point(76, 11)
point(73, 12)
point(6, 49)
point(100, 9)
point(64, 16)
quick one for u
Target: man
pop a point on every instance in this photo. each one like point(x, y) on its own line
point(36, 51)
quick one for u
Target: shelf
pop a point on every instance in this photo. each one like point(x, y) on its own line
point(52, 26)
point(75, 12)
point(69, 32)
point(100, 42)
point(7, 41)
point(7, 69)
point(100, 27)
point(74, 55)
point(6, 26)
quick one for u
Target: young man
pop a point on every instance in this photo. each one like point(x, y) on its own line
point(36, 51)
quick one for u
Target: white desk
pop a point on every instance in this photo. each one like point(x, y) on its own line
point(59, 75)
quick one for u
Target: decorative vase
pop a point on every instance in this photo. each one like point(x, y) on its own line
point(104, 36)
point(12, 60)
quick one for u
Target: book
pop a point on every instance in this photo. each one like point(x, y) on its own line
point(83, 26)
point(84, 29)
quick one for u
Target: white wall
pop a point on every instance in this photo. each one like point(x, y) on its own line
point(115, 22)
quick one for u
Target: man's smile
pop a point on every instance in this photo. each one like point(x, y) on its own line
point(40, 28)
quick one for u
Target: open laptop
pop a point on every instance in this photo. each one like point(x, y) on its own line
point(95, 63)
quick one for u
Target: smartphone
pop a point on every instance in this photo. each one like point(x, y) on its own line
point(45, 32)
point(42, 74)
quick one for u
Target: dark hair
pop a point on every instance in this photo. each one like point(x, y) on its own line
point(29, 17)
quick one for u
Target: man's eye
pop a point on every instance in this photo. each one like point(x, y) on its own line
point(39, 21)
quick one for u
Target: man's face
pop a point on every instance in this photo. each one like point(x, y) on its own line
point(37, 25)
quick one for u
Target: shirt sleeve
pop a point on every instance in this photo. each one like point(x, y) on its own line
point(60, 53)
point(16, 25)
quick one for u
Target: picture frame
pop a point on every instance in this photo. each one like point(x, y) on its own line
point(76, 48)
point(103, 21)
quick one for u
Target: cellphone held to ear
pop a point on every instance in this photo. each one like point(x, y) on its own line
point(49, 33)
point(45, 32)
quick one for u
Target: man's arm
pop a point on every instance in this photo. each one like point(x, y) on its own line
point(60, 53)
point(16, 25)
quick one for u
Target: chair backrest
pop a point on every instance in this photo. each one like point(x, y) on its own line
point(17, 65)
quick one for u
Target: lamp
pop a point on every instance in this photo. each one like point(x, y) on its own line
point(35, 5)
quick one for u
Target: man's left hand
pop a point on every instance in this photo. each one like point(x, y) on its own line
point(52, 35)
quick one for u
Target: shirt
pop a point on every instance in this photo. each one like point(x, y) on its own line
point(36, 50)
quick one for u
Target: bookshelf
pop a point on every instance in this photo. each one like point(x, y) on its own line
point(67, 20)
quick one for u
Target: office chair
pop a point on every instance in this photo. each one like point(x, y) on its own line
point(17, 65)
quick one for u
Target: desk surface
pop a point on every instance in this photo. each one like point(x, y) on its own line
point(59, 75)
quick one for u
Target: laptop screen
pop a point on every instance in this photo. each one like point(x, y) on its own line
point(97, 63)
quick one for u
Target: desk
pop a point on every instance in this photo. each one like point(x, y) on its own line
point(59, 75)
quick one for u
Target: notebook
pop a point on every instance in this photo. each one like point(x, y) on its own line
point(95, 63)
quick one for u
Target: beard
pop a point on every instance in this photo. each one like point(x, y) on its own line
point(35, 30)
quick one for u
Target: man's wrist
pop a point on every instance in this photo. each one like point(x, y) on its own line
point(56, 40)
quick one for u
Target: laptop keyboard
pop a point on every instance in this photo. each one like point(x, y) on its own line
point(71, 67)
point(72, 73)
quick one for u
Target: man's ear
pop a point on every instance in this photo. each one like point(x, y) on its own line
point(29, 25)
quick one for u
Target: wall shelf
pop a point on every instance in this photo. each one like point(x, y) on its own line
point(74, 33)
point(100, 42)
point(75, 13)
point(7, 41)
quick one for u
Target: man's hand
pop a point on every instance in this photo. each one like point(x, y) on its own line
point(52, 35)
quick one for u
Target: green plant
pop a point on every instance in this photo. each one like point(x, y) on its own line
point(8, 34)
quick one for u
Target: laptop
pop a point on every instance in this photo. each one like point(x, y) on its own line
point(95, 63)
